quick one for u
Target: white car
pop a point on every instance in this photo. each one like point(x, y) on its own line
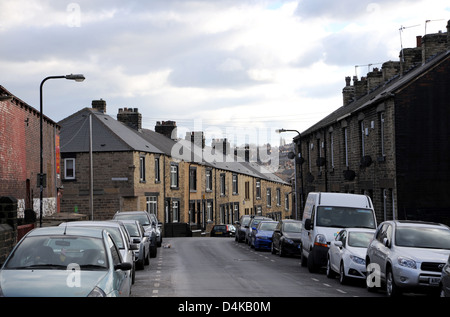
point(347, 253)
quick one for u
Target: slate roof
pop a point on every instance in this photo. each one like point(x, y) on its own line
point(110, 135)
point(378, 94)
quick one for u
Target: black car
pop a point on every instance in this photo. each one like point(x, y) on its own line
point(240, 227)
point(286, 237)
point(220, 231)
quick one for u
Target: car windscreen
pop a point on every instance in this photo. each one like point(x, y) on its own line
point(359, 239)
point(50, 252)
point(143, 219)
point(292, 227)
point(422, 237)
point(345, 217)
point(132, 229)
point(267, 226)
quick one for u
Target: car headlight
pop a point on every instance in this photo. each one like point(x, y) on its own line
point(358, 260)
point(321, 240)
point(406, 262)
point(97, 292)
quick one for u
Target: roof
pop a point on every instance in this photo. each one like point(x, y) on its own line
point(378, 94)
point(109, 135)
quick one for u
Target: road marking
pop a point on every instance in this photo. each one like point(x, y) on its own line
point(341, 291)
point(326, 284)
point(156, 284)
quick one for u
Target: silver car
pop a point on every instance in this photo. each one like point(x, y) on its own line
point(119, 234)
point(142, 241)
point(407, 256)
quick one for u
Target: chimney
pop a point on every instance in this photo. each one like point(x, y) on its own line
point(99, 105)
point(433, 44)
point(448, 35)
point(360, 86)
point(390, 69)
point(374, 79)
point(410, 57)
point(130, 117)
point(167, 128)
point(197, 138)
point(348, 93)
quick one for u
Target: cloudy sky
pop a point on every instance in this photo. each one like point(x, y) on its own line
point(211, 65)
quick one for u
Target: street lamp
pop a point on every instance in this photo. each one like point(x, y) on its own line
point(78, 78)
point(295, 172)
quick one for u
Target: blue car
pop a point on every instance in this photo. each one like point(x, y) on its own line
point(261, 237)
point(65, 262)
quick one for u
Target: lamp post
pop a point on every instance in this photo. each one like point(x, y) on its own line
point(297, 158)
point(78, 78)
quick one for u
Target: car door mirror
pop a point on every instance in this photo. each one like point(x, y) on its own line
point(338, 244)
point(308, 224)
point(386, 242)
point(124, 266)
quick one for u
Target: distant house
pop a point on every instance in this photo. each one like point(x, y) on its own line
point(140, 169)
point(20, 155)
point(390, 139)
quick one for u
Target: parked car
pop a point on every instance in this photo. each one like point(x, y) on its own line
point(347, 253)
point(157, 226)
point(445, 280)
point(286, 237)
point(324, 215)
point(407, 256)
point(231, 230)
point(252, 225)
point(240, 227)
point(146, 221)
point(141, 240)
point(118, 233)
point(65, 262)
point(261, 238)
point(220, 231)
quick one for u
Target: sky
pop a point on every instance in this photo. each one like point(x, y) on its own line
point(232, 68)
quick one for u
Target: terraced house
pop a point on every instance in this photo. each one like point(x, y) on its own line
point(390, 138)
point(110, 165)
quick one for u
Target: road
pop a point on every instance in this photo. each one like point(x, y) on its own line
point(221, 267)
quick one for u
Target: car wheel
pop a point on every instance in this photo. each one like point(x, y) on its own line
point(391, 289)
point(281, 253)
point(303, 259)
point(272, 249)
point(147, 259)
point(153, 251)
point(343, 279)
point(330, 272)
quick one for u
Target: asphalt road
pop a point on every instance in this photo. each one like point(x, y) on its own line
point(222, 268)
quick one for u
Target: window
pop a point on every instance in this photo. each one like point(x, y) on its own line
point(235, 184)
point(332, 149)
point(142, 169)
point(209, 184)
point(157, 175)
point(269, 197)
point(192, 178)
point(363, 150)
point(247, 190)
point(258, 189)
point(152, 205)
point(286, 202)
point(382, 134)
point(346, 146)
point(175, 210)
point(174, 176)
point(209, 210)
point(69, 168)
point(222, 184)
point(278, 197)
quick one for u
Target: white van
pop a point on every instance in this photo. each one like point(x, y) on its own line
point(325, 214)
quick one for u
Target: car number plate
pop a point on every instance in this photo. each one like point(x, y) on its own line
point(434, 280)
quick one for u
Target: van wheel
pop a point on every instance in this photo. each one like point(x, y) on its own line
point(312, 268)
